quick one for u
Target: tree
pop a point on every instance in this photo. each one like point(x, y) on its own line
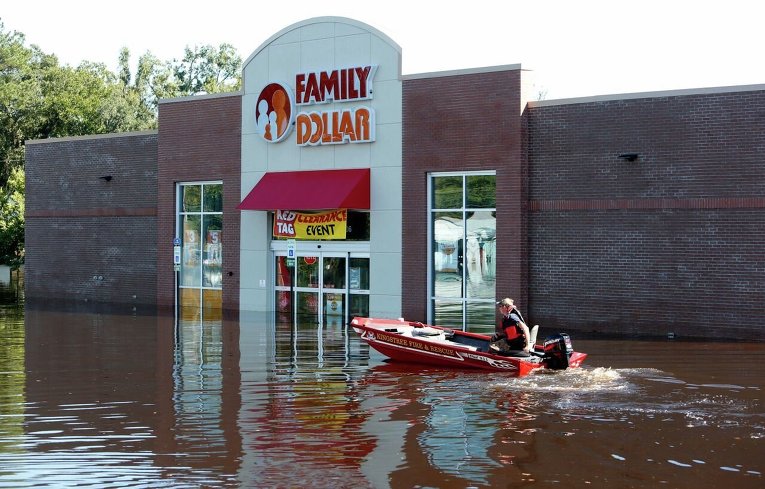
point(88, 100)
point(202, 70)
point(40, 99)
point(12, 220)
point(19, 97)
point(208, 70)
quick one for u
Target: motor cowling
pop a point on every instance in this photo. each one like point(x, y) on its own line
point(557, 351)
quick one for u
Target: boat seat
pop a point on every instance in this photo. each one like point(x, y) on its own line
point(533, 335)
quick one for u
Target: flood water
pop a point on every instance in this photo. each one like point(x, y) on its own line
point(106, 400)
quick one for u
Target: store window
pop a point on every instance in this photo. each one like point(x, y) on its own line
point(463, 250)
point(327, 281)
point(200, 228)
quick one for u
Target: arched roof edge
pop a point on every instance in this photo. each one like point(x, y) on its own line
point(318, 20)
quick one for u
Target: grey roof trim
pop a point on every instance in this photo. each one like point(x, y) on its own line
point(206, 96)
point(467, 71)
point(658, 94)
point(91, 136)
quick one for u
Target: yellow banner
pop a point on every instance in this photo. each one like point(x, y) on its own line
point(313, 226)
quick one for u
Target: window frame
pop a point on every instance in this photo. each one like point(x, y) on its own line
point(432, 211)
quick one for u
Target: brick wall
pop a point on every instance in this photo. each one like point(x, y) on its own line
point(200, 140)
point(89, 240)
point(672, 242)
point(463, 122)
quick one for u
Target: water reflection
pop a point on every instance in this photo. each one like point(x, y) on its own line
point(206, 399)
point(110, 400)
point(447, 434)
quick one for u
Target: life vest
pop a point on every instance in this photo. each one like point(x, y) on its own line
point(511, 325)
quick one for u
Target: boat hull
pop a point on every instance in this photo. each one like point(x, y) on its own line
point(414, 342)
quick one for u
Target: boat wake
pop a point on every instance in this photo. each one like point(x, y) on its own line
point(620, 395)
point(598, 379)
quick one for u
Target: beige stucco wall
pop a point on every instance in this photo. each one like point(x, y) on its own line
point(313, 45)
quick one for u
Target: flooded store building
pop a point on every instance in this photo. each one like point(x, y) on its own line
point(332, 186)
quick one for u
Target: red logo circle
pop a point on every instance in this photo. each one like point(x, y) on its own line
point(274, 113)
point(309, 260)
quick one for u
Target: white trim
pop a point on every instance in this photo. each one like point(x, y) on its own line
point(429, 283)
point(462, 173)
point(200, 182)
point(280, 245)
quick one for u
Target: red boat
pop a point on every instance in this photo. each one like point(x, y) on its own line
point(415, 342)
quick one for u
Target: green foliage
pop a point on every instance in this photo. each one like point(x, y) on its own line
point(480, 192)
point(202, 70)
point(447, 192)
point(40, 99)
point(12, 220)
point(208, 70)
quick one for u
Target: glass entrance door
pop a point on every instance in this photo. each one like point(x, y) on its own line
point(199, 228)
point(321, 287)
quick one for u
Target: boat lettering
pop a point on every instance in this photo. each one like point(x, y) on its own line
point(439, 349)
point(403, 341)
point(474, 357)
point(496, 363)
point(396, 340)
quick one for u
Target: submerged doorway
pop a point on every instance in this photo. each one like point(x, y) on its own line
point(321, 287)
point(199, 232)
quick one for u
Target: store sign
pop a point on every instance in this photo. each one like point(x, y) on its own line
point(313, 226)
point(276, 111)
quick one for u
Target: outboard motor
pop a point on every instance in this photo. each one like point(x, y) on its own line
point(557, 350)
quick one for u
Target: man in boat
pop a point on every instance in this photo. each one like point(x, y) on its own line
point(514, 335)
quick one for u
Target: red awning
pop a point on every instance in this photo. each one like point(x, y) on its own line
point(310, 190)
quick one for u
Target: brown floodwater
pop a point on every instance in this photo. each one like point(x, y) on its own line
point(108, 400)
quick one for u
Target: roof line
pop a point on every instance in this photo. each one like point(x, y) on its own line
point(465, 71)
point(656, 94)
point(91, 136)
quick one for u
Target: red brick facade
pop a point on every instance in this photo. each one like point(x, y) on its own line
point(90, 240)
point(463, 122)
point(199, 140)
point(672, 242)
point(586, 241)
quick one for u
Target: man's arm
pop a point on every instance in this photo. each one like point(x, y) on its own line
point(527, 335)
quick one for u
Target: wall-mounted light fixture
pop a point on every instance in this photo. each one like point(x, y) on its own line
point(107, 178)
point(629, 156)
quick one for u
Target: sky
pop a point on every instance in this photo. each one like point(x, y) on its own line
point(573, 48)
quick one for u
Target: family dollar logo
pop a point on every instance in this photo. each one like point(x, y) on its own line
point(278, 109)
point(274, 112)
